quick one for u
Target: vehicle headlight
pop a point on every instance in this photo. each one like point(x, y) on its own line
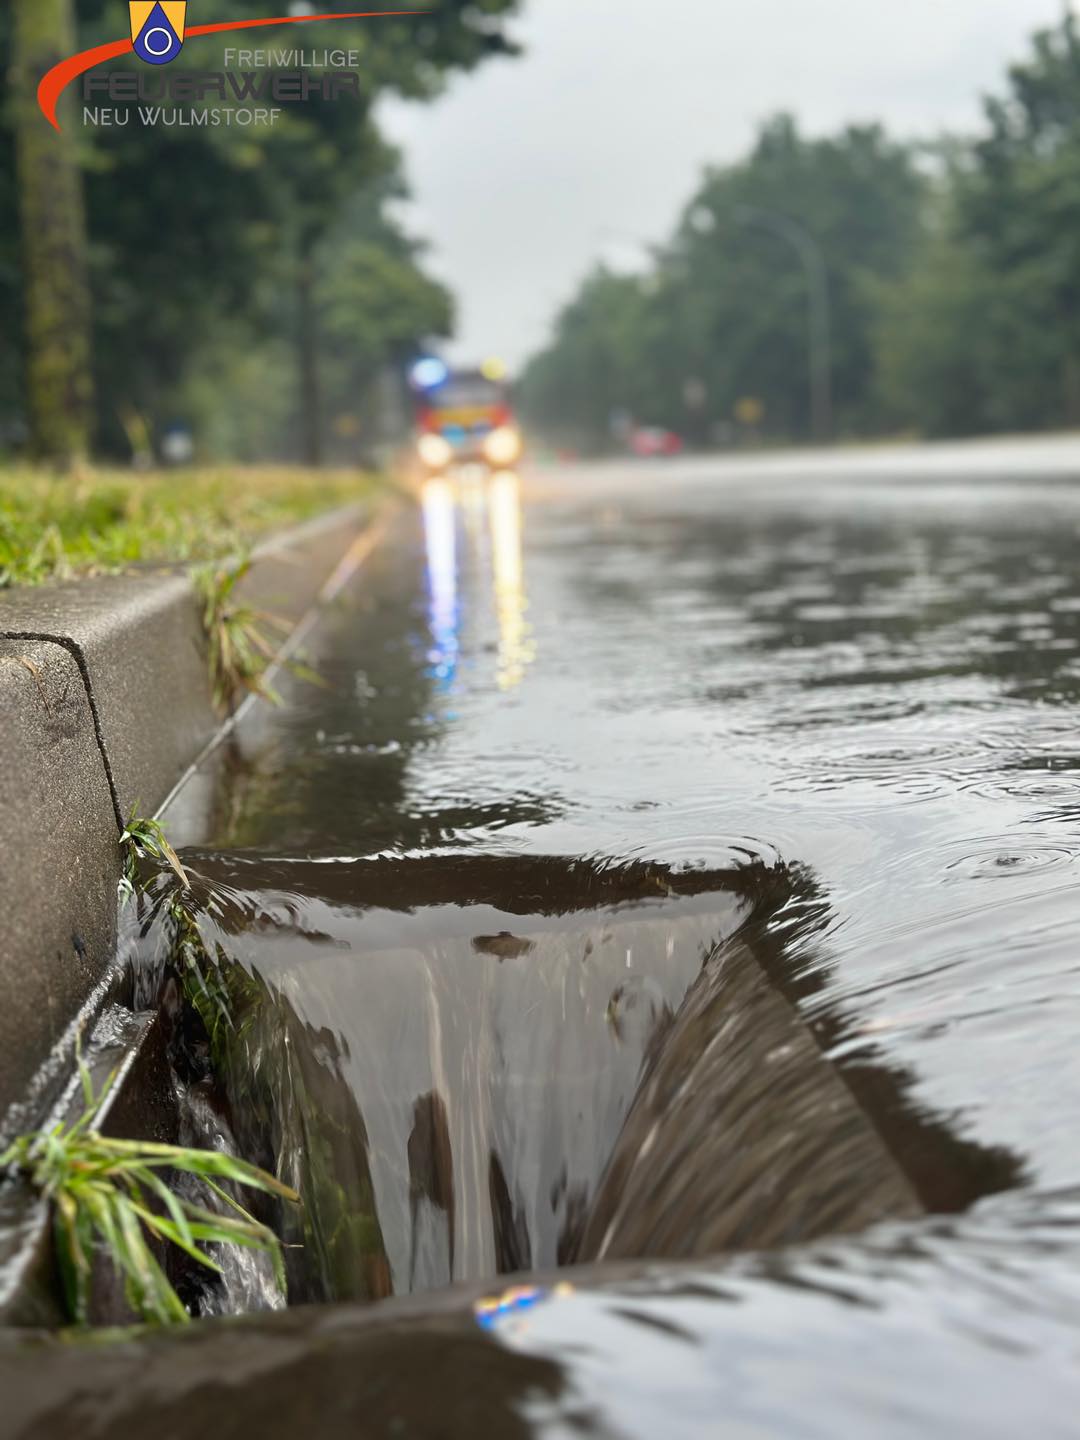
point(503, 446)
point(435, 451)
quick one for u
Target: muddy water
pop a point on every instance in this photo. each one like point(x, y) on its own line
point(666, 871)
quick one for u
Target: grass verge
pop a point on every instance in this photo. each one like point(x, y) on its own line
point(53, 527)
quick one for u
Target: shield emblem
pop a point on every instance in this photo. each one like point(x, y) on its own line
point(157, 29)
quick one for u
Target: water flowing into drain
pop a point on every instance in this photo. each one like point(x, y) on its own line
point(246, 1284)
point(474, 1067)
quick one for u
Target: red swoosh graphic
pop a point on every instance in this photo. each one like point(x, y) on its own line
point(60, 76)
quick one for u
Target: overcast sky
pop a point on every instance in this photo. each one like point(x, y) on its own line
point(529, 170)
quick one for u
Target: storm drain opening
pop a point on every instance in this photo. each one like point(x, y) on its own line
point(473, 1067)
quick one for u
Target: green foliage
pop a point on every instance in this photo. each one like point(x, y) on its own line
point(603, 361)
point(142, 840)
point(954, 276)
point(12, 398)
point(220, 990)
point(240, 649)
point(200, 239)
point(723, 313)
point(103, 521)
point(985, 332)
point(113, 1196)
point(371, 300)
point(54, 289)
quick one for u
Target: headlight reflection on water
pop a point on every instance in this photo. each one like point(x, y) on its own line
point(515, 643)
point(440, 536)
point(501, 496)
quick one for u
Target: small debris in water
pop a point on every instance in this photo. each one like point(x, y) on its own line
point(503, 946)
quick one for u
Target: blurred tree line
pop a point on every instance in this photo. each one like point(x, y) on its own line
point(255, 285)
point(953, 279)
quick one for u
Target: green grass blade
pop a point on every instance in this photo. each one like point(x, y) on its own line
point(74, 1266)
point(181, 1237)
point(199, 1162)
point(144, 1176)
point(238, 1229)
point(149, 1288)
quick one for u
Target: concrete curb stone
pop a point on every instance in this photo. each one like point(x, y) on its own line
point(104, 701)
point(59, 863)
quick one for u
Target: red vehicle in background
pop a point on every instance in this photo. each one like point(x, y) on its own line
point(464, 417)
point(649, 442)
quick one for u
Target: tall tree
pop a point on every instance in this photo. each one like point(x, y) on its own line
point(598, 367)
point(1021, 207)
point(201, 234)
point(55, 293)
point(725, 316)
point(984, 333)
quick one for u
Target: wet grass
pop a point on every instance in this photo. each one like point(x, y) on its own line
point(55, 527)
point(112, 1197)
point(145, 840)
point(221, 992)
point(215, 987)
point(240, 649)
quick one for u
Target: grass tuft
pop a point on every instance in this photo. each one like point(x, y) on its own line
point(240, 649)
point(216, 987)
point(145, 839)
point(113, 1196)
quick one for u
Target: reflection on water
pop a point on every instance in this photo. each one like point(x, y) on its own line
point(515, 648)
point(442, 574)
point(500, 496)
point(870, 693)
point(947, 1328)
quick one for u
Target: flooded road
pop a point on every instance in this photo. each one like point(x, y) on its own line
point(876, 684)
point(674, 867)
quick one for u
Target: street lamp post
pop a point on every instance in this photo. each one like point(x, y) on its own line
point(812, 258)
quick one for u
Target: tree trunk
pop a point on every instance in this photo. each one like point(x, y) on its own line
point(57, 304)
point(1071, 388)
point(310, 377)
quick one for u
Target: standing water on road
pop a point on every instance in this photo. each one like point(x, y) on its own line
point(665, 871)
